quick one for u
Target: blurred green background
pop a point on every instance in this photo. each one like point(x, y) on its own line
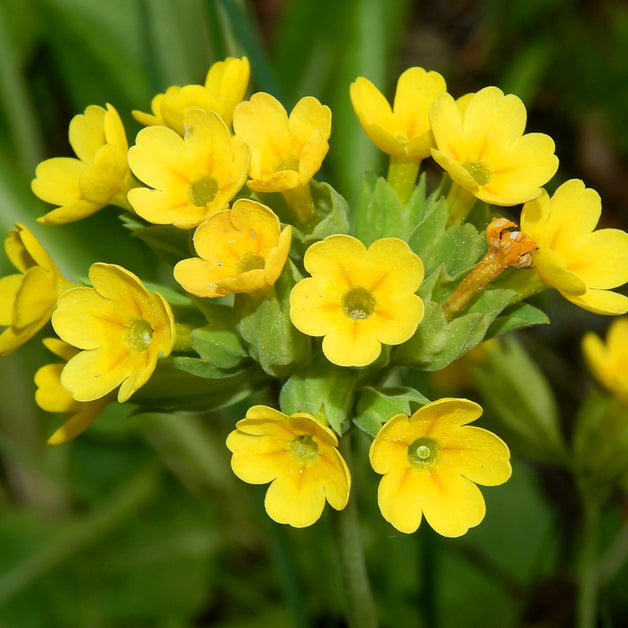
point(139, 522)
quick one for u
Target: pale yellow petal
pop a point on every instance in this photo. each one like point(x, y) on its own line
point(93, 374)
point(200, 277)
point(9, 288)
point(57, 180)
point(296, 500)
point(50, 394)
point(449, 135)
point(394, 267)
point(87, 132)
point(601, 302)
point(355, 348)
point(339, 256)
point(36, 298)
point(398, 318)
point(77, 423)
point(552, 269)
point(399, 498)
point(601, 261)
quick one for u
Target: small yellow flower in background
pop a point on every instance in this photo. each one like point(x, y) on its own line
point(27, 298)
point(404, 130)
point(581, 263)
point(100, 175)
point(431, 463)
point(286, 152)
point(241, 249)
point(480, 142)
point(358, 298)
point(609, 361)
point(120, 327)
point(192, 176)
point(53, 397)
point(298, 456)
point(225, 86)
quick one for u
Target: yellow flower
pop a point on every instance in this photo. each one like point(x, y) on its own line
point(28, 298)
point(358, 298)
point(298, 456)
point(120, 327)
point(431, 463)
point(242, 249)
point(225, 86)
point(53, 397)
point(99, 177)
point(405, 130)
point(609, 362)
point(480, 143)
point(193, 176)
point(285, 152)
point(582, 264)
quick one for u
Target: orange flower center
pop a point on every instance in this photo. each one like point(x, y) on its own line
point(423, 452)
point(358, 303)
point(203, 191)
point(139, 334)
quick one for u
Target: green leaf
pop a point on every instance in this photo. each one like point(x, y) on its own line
point(168, 242)
point(516, 317)
point(323, 390)
point(265, 325)
point(377, 405)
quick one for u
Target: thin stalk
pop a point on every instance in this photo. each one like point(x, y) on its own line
point(402, 174)
point(360, 608)
point(587, 581)
point(459, 201)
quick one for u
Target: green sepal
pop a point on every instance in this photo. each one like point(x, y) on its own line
point(438, 342)
point(180, 384)
point(218, 343)
point(376, 406)
point(517, 316)
point(600, 443)
point(168, 242)
point(264, 324)
point(323, 390)
point(519, 396)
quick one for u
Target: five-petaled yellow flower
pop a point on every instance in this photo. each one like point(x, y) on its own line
point(481, 144)
point(431, 463)
point(120, 327)
point(286, 152)
point(225, 86)
point(358, 298)
point(53, 397)
point(581, 263)
point(403, 131)
point(609, 361)
point(99, 177)
point(27, 298)
point(298, 456)
point(192, 176)
point(241, 249)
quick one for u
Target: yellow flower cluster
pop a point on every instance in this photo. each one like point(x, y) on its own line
point(295, 290)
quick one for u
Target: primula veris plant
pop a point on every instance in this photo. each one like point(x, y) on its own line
point(298, 456)
point(190, 177)
point(431, 463)
point(241, 249)
point(121, 328)
point(97, 177)
point(280, 293)
point(358, 298)
point(580, 262)
point(608, 361)
point(53, 397)
point(225, 86)
point(27, 298)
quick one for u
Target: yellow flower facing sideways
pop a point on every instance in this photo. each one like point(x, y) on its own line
point(480, 142)
point(225, 86)
point(241, 249)
point(431, 463)
point(53, 397)
point(609, 361)
point(286, 152)
point(403, 131)
point(27, 298)
point(358, 298)
point(97, 177)
point(121, 329)
point(300, 459)
point(192, 176)
point(580, 262)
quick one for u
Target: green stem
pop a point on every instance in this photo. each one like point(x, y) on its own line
point(587, 581)
point(614, 558)
point(459, 201)
point(357, 589)
point(402, 174)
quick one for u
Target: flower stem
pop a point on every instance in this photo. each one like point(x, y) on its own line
point(402, 175)
point(460, 201)
point(360, 608)
point(587, 572)
point(300, 202)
